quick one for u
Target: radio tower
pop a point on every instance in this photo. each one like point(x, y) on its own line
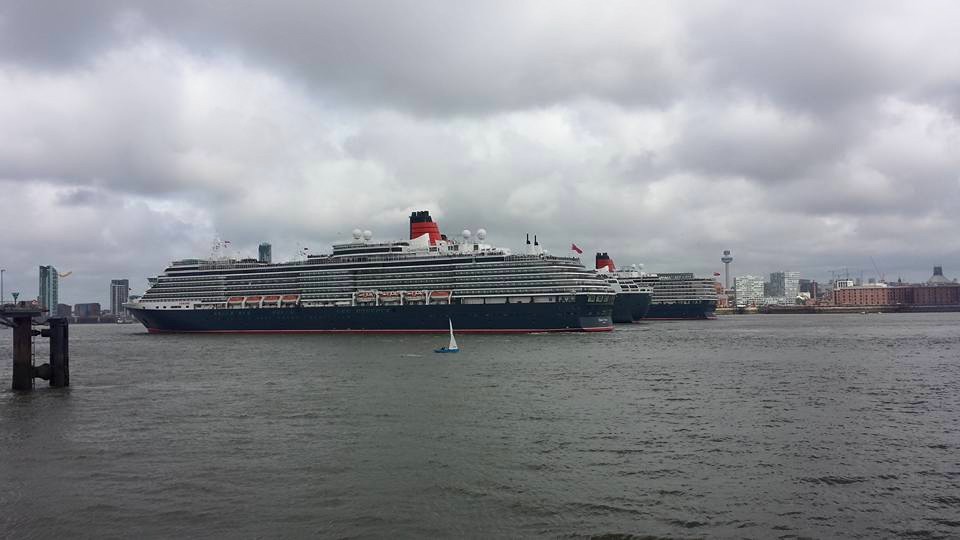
point(726, 260)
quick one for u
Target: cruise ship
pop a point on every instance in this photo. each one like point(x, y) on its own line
point(675, 295)
point(417, 285)
point(633, 301)
point(680, 295)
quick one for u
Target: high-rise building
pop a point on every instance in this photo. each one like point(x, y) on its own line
point(119, 295)
point(64, 310)
point(776, 287)
point(784, 285)
point(266, 255)
point(49, 295)
point(791, 285)
point(749, 290)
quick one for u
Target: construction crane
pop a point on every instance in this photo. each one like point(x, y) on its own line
point(65, 274)
point(875, 267)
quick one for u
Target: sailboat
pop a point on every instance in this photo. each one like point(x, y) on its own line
point(453, 342)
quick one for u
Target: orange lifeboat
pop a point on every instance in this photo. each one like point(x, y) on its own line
point(290, 298)
point(440, 296)
point(235, 300)
point(272, 300)
point(366, 296)
point(390, 296)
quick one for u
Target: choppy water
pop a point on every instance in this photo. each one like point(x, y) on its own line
point(748, 426)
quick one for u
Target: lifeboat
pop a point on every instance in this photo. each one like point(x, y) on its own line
point(252, 300)
point(366, 296)
point(290, 298)
point(390, 296)
point(235, 300)
point(440, 297)
point(272, 300)
point(414, 296)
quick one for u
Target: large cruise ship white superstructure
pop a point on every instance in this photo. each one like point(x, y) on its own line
point(368, 286)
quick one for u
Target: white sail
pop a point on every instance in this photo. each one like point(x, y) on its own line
point(453, 340)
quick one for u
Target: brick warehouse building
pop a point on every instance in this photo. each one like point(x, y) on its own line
point(937, 291)
point(873, 296)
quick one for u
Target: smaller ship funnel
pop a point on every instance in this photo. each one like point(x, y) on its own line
point(604, 261)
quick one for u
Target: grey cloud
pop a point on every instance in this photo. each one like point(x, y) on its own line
point(54, 34)
point(431, 57)
point(78, 197)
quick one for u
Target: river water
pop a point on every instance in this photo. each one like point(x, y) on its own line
point(747, 426)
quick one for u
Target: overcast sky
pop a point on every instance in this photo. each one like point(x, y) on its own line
point(801, 135)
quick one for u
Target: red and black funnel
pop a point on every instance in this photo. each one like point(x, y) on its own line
point(421, 223)
point(604, 261)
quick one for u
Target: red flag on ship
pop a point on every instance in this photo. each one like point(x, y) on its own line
point(575, 248)
point(716, 273)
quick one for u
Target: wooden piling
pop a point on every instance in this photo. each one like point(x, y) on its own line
point(22, 354)
point(59, 352)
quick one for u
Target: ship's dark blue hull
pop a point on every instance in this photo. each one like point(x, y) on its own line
point(694, 310)
point(466, 318)
point(630, 306)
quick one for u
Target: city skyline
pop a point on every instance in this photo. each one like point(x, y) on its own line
point(810, 136)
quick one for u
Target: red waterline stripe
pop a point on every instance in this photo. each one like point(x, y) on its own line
point(438, 331)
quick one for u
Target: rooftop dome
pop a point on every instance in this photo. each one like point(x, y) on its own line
point(937, 277)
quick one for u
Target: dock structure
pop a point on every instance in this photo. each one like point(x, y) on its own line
point(22, 317)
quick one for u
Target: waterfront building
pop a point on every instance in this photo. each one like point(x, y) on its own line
point(809, 286)
point(871, 295)
point(87, 310)
point(937, 291)
point(775, 285)
point(723, 301)
point(749, 290)
point(49, 289)
point(947, 294)
point(938, 277)
point(119, 295)
point(63, 310)
point(785, 284)
point(266, 253)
